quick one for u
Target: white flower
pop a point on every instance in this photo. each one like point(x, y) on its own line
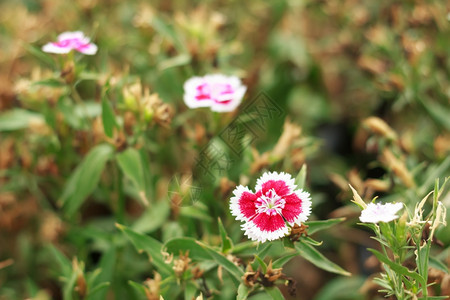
point(375, 213)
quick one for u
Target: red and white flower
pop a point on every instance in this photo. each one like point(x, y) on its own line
point(275, 204)
point(219, 92)
point(375, 213)
point(69, 41)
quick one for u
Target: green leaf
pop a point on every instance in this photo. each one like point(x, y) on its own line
point(301, 177)
point(138, 287)
point(280, 262)
point(315, 226)
point(107, 266)
point(50, 82)
point(261, 263)
point(183, 244)
point(342, 288)
point(85, 178)
point(234, 270)
point(423, 253)
point(108, 117)
point(243, 292)
point(274, 292)
point(153, 218)
point(227, 244)
point(316, 258)
point(64, 263)
point(130, 163)
point(40, 55)
point(176, 61)
point(437, 264)
point(398, 268)
point(16, 119)
point(190, 290)
point(147, 244)
point(196, 211)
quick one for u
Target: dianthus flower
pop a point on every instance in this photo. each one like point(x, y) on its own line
point(219, 92)
point(69, 41)
point(375, 213)
point(275, 204)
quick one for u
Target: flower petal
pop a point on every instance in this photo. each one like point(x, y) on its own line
point(54, 48)
point(266, 227)
point(88, 49)
point(72, 35)
point(242, 204)
point(375, 213)
point(191, 92)
point(297, 207)
point(282, 183)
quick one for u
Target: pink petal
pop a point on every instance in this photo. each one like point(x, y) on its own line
point(88, 49)
point(264, 227)
point(243, 204)
point(282, 183)
point(295, 212)
point(292, 207)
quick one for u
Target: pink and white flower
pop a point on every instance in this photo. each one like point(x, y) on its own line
point(375, 213)
point(219, 92)
point(275, 204)
point(69, 41)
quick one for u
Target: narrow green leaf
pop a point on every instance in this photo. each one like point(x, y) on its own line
point(227, 244)
point(131, 165)
point(183, 244)
point(274, 292)
point(64, 263)
point(176, 61)
point(234, 270)
point(263, 249)
point(342, 288)
point(196, 211)
point(94, 292)
point(243, 292)
point(107, 265)
point(85, 178)
point(16, 119)
point(50, 82)
point(138, 287)
point(108, 117)
point(147, 244)
point(40, 55)
point(280, 262)
point(437, 264)
point(301, 177)
point(261, 263)
point(153, 217)
point(398, 268)
point(190, 290)
point(315, 257)
point(316, 226)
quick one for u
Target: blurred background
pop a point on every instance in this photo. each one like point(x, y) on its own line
point(363, 87)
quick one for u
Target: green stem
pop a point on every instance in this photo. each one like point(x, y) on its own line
point(120, 211)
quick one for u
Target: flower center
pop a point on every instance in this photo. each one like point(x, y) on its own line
point(270, 203)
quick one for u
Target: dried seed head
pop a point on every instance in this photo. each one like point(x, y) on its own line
point(380, 127)
point(398, 167)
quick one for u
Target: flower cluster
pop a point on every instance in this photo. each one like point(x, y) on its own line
point(69, 41)
point(219, 92)
point(276, 203)
point(375, 213)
